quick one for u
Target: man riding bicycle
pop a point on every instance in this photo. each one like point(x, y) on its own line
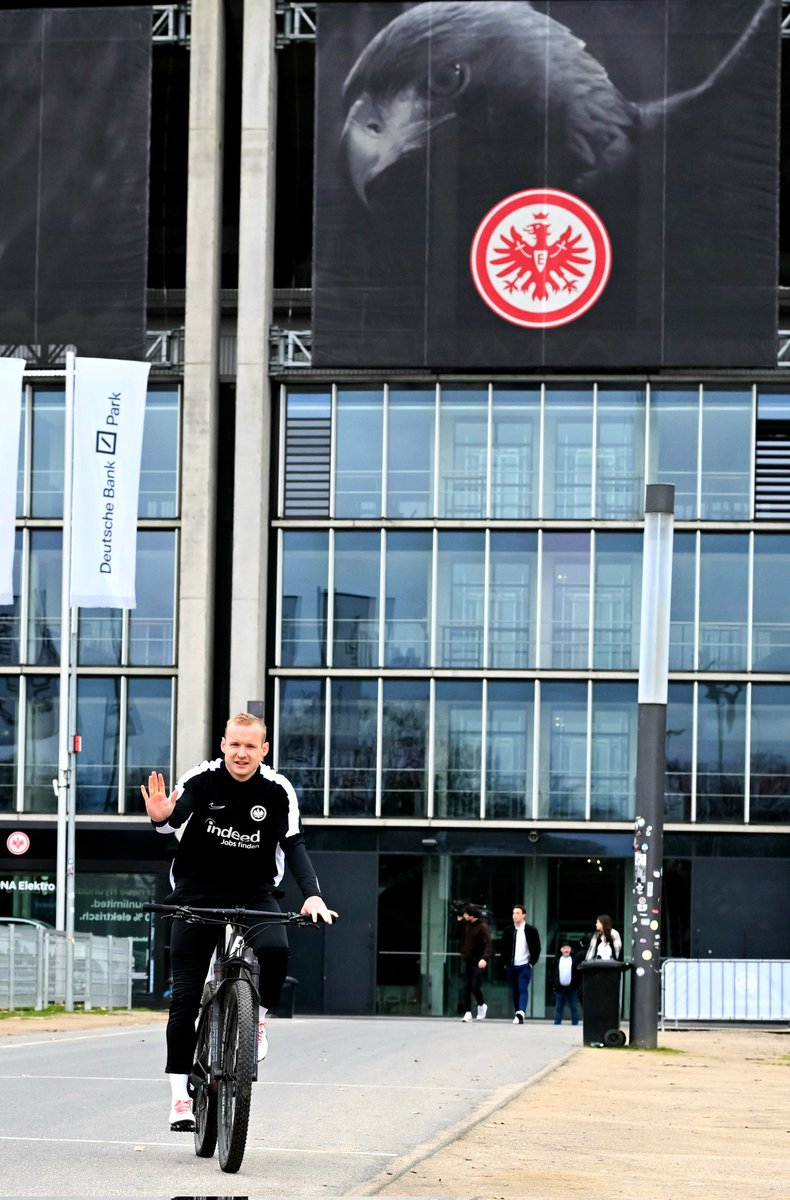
point(238, 823)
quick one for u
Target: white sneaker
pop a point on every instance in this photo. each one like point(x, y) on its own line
point(181, 1119)
point(467, 1016)
point(519, 1018)
point(263, 1041)
point(482, 1009)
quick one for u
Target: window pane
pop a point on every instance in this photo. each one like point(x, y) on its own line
point(305, 558)
point(9, 750)
point(43, 631)
point(404, 748)
point(674, 430)
point(509, 750)
point(463, 451)
point(308, 452)
point(352, 769)
point(98, 709)
point(565, 619)
point(458, 739)
point(158, 495)
point(10, 614)
point(563, 751)
point(680, 752)
point(300, 745)
point(149, 718)
point(47, 453)
point(681, 620)
point(515, 450)
point(726, 455)
point(20, 475)
point(618, 592)
point(408, 600)
point(723, 602)
point(567, 486)
point(356, 613)
point(613, 771)
point(721, 751)
point(41, 743)
point(151, 640)
point(360, 423)
point(99, 636)
point(460, 599)
point(769, 797)
point(620, 464)
point(512, 600)
point(410, 442)
point(771, 628)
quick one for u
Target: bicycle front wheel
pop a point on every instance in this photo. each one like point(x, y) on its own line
point(205, 1098)
point(239, 1051)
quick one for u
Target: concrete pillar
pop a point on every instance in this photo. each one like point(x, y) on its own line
point(536, 879)
point(434, 940)
point(253, 402)
point(201, 357)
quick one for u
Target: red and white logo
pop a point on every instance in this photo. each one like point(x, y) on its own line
point(541, 258)
point(18, 842)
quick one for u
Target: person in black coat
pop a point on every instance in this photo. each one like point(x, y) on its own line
point(566, 985)
point(520, 953)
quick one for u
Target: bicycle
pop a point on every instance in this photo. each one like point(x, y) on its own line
point(226, 1052)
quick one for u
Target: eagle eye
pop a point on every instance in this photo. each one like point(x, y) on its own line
point(448, 80)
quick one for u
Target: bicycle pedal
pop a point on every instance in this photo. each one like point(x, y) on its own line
point(185, 1126)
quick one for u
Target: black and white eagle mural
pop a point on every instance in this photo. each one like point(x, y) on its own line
point(513, 185)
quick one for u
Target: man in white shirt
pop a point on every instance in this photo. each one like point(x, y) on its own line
point(520, 953)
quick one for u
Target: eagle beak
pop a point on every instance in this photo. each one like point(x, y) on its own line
point(376, 135)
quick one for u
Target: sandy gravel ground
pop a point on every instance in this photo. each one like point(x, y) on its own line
point(63, 1022)
point(710, 1121)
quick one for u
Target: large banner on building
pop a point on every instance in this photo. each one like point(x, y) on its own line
point(505, 185)
point(75, 87)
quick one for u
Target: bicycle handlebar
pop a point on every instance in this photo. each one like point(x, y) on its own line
point(230, 914)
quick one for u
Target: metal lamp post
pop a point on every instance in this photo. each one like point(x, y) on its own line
point(651, 764)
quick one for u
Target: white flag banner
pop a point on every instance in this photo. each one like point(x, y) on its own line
point(11, 372)
point(109, 409)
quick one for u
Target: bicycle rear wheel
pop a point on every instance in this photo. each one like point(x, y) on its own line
point(239, 1051)
point(204, 1102)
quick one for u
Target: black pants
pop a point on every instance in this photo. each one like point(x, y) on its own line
point(472, 977)
point(191, 950)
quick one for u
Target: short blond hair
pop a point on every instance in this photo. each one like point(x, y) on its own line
point(245, 718)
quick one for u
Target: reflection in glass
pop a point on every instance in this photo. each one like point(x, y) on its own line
point(41, 743)
point(565, 608)
point(352, 759)
point(769, 796)
point(151, 640)
point(359, 432)
point(509, 750)
point(404, 748)
point(47, 453)
point(618, 592)
point(20, 475)
point(680, 752)
point(356, 599)
point(43, 625)
point(300, 741)
point(98, 722)
point(567, 483)
point(457, 748)
point(99, 637)
point(158, 495)
point(149, 717)
point(613, 768)
point(408, 599)
point(681, 609)
point(304, 570)
point(514, 454)
point(721, 751)
point(410, 445)
point(10, 614)
point(460, 600)
point(9, 752)
point(512, 600)
point(723, 601)
point(674, 438)
point(770, 616)
point(563, 751)
point(726, 454)
point(620, 469)
point(463, 452)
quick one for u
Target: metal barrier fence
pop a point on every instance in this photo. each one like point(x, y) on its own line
point(33, 969)
point(725, 989)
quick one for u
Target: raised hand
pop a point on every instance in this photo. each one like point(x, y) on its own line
point(158, 804)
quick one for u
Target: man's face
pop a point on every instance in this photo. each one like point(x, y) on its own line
point(518, 916)
point(243, 747)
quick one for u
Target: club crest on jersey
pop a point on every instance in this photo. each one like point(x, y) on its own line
point(258, 813)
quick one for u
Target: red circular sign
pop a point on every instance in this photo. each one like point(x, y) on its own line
point(17, 842)
point(541, 258)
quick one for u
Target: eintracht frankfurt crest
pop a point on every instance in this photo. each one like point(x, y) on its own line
point(541, 258)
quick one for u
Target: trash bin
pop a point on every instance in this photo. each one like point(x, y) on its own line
point(285, 1005)
point(602, 989)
